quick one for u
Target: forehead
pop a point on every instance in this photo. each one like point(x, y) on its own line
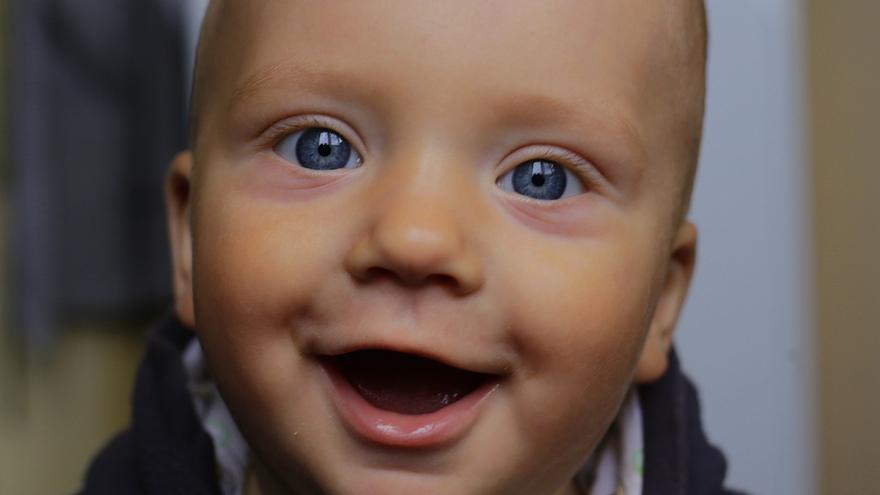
point(464, 32)
point(578, 52)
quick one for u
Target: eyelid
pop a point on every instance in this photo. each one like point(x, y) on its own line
point(272, 136)
point(589, 173)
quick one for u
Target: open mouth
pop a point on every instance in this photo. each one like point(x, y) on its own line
point(406, 383)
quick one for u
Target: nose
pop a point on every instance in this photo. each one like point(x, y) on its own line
point(417, 239)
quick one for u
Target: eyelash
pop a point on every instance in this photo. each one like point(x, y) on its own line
point(593, 179)
point(277, 132)
point(582, 168)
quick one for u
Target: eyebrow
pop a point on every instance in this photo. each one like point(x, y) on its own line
point(616, 131)
point(267, 77)
point(295, 74)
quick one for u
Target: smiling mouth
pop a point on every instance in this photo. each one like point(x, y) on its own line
point(406, 383)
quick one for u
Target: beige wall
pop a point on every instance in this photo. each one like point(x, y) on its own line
point(62, 406)
point(844, 57)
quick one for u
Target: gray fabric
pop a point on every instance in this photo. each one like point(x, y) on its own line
point(98, 106)
point(231, 451)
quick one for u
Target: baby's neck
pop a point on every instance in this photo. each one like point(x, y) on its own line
point(259, 482)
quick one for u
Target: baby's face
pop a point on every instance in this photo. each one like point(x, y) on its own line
point(433, 242)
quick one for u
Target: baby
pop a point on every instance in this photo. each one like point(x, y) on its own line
point(429, 248)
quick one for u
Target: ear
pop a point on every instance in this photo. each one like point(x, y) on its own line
point(178, 202)
point(655, 354)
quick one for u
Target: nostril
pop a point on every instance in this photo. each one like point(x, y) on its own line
point(442, 280)
point(457, 270)
point(377, 273)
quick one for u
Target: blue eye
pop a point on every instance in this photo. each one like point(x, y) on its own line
point(541, 179)
point(318, 148)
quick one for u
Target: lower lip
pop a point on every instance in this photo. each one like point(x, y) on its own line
point(404, 430)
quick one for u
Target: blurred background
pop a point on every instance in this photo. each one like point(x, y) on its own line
point(781, 331)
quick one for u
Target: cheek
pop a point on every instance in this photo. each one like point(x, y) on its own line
point(582, 304)
point(257, 265)
point(580, 313)
point(261, 258)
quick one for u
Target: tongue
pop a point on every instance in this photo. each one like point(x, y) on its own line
point(404, 383)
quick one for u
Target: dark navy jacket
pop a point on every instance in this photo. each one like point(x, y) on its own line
point(165, 451)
